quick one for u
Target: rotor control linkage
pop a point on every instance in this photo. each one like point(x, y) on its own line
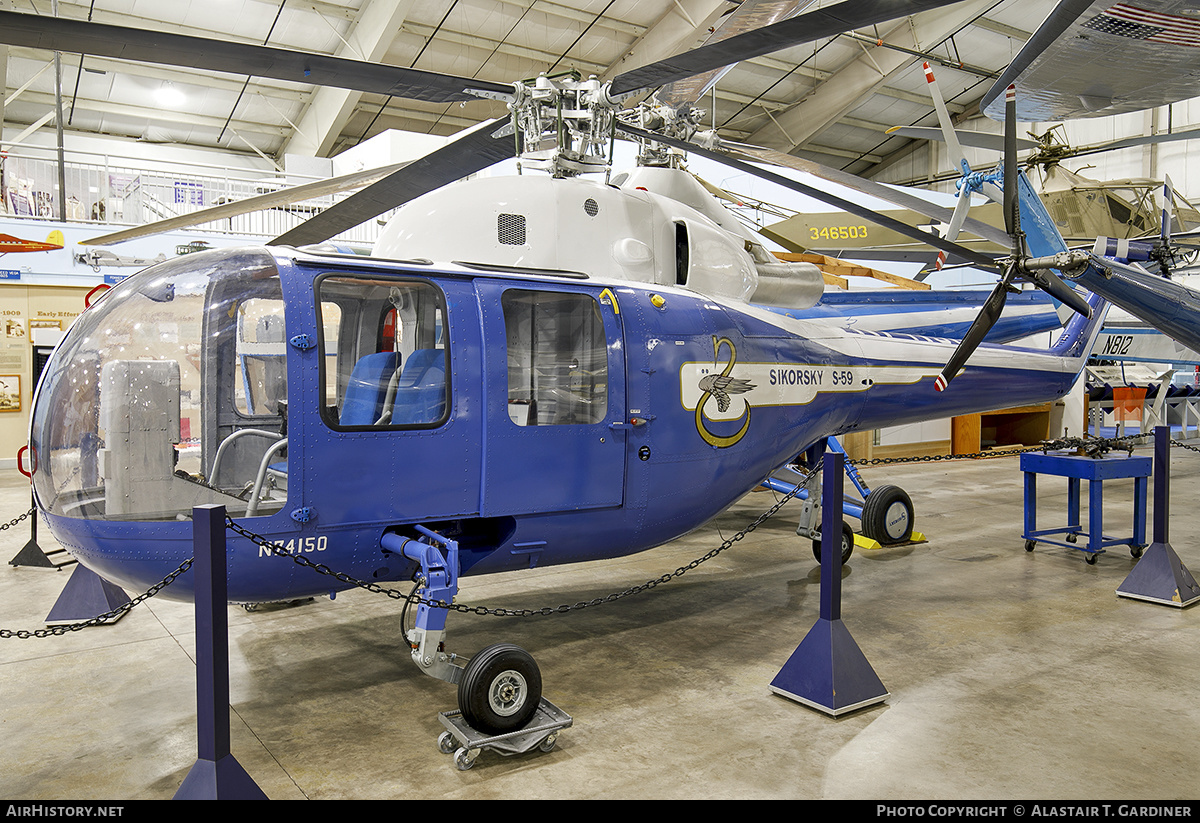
point(439, 583)
point(1068, 262)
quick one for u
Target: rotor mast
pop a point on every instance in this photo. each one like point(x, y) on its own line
point(564, 125)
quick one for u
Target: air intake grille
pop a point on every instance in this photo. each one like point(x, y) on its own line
point(510, 229)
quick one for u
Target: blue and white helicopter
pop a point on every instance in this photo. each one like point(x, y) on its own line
point(531, 371)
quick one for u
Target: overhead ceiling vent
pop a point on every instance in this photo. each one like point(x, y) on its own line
point(510, 229)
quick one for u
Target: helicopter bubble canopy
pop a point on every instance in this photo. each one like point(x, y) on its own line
point(135, 415)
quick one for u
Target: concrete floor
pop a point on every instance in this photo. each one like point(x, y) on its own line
point(1012, 675)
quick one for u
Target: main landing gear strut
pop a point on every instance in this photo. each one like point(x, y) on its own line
point(886, 512)
point(500, 703)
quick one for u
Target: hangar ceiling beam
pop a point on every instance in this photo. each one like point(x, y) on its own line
point(330, 108)
point(681, 27)
point(611, 24)
point(154, 116)
point(490, 45)
point(864, 75)
point(1003, 29)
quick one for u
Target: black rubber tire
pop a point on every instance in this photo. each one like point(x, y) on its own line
point(500, 689)
point(887, 515)
point(847, 544)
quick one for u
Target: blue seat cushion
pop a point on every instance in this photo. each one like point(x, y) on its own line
point(367, 389)
point(421, 396)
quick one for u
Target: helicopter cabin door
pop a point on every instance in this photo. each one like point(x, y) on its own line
point(555, 388)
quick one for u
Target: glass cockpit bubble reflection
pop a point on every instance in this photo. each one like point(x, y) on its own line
point(168, 393)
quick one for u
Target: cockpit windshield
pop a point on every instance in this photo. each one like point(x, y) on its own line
point(169, 393)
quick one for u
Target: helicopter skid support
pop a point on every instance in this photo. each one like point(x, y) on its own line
point(466, 743)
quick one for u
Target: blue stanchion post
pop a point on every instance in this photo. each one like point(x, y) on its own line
point(1160, 576)
point(216, 774)
point(828, 670)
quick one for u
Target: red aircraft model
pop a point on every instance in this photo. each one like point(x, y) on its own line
point(8, 244)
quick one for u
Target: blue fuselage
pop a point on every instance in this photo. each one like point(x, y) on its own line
point(697, 402)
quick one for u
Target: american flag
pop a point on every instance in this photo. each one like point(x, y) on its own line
point(1125, 20)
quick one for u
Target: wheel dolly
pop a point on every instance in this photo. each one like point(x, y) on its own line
point(466, 743)
point(439, 584)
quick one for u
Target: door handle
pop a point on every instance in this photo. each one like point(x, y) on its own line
point(632, 422)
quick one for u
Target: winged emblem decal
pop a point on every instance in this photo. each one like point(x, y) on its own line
point(721, 387)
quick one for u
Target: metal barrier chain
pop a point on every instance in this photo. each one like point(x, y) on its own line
point(320, 568)
point(1183, 445)
point(95, 621)
point(17, 520)
point(276, 549)
point(1091, 443)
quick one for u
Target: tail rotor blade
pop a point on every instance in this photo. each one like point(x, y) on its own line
point(956, 223)
point(1012, 223)
point(988, 315)
point(959, 159)
point(1168, 210)
point(1054, 285)
point(948, 133)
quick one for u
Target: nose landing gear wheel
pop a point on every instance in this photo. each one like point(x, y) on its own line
point(847, 543)
point(500, 689)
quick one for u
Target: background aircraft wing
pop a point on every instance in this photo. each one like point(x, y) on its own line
point(1096, 58)
point(888, 194)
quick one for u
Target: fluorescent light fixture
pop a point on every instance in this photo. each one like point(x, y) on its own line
point(169, 96)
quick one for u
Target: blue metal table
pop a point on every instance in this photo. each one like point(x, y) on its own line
point(1095, 470)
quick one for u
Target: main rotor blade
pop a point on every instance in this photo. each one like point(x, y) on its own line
point(867, 187)
point(750, 15)
point(883, 220)
point(956, 222)
point(125, 43)
point(989, 313)
point(1129, 142)
point(473, 152)
point(803, 28)
point(270, 200)
point(995, 142)
point(974, 139)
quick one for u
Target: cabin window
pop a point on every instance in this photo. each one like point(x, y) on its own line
point(261, 358)
point(557, 358)
point(384, 353)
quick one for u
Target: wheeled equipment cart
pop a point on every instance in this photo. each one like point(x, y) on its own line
point(466, 743)
point(1095, 470)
